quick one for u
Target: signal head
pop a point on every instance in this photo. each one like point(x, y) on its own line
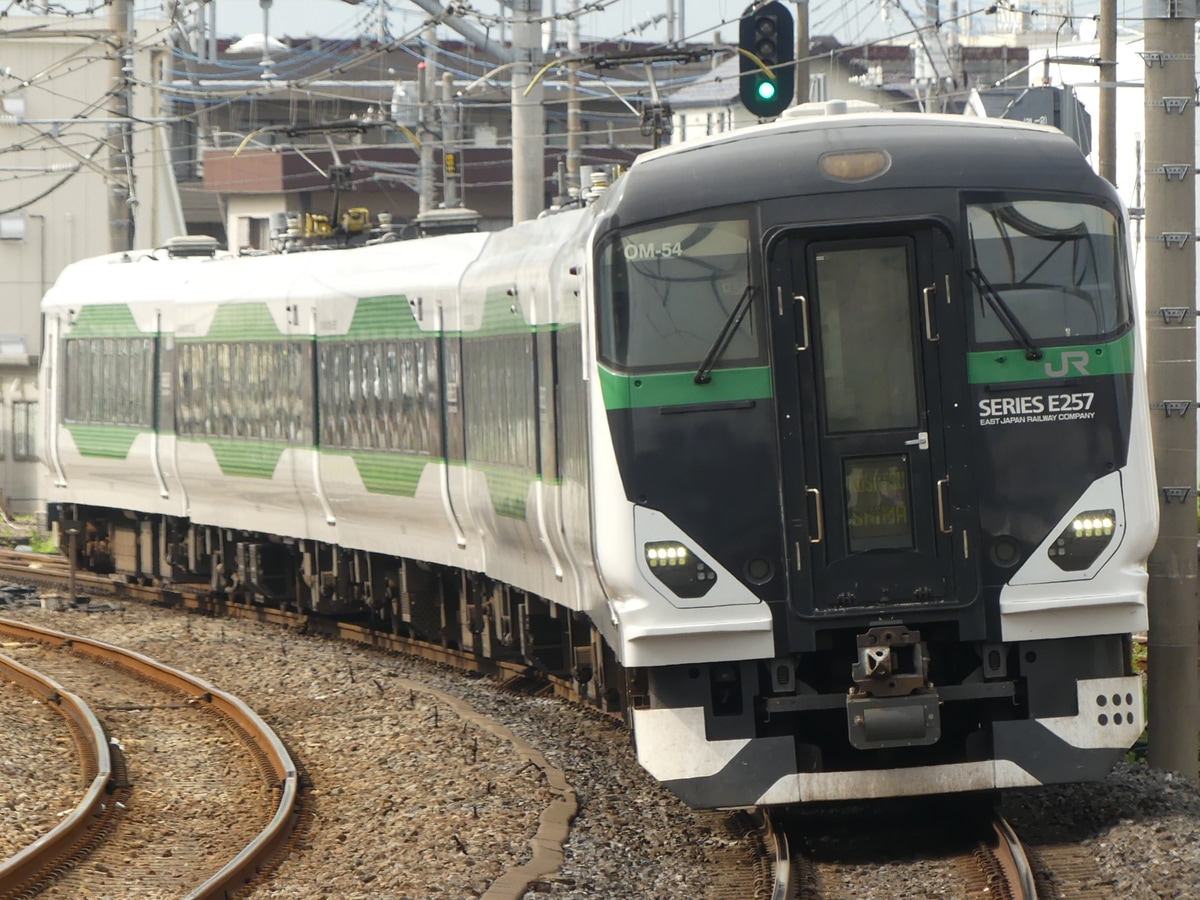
point(766, 43)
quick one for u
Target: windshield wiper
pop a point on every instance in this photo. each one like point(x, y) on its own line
point(724, 336)
point(1004, 313)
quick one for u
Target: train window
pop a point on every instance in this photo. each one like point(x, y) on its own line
point(110, 381)
point(300, 400)
point(865, 315)
point(392, 409)
point(376, 396)
point(667, 290)
point(1045, 271)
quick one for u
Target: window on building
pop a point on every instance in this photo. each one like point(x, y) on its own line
point(24, 430)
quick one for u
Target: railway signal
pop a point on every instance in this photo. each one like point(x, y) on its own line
point(766, 52)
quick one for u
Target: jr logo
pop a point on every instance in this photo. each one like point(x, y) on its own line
point(1077, 358)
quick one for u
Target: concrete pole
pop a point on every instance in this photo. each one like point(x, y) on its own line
point(1106, 149)
point(120, 152)
point(574, 119)
point(1171, 344)
point(802, 43)
point(528, 117)
point(449, 143)
point(426, 87)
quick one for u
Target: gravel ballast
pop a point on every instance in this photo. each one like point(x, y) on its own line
point(413, 799)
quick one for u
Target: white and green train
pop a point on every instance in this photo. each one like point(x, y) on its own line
point(820, 449)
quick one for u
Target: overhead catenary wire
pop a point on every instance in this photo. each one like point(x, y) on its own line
point(335, 63)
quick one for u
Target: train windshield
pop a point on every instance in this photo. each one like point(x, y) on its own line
point(666, 292)
point(1045, 272)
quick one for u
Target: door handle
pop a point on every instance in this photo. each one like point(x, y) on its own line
point(942, 485)
point(921, 441)
point(926, 296)
point(820, 518)
point(803, 301)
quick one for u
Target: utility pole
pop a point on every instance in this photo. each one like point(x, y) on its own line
point(1170, 92)
point(528, 117)
point(426, 85)
point(450, 154)
point(120, 151)
point(1106, 150)
point(574, 124)
point(802, 44)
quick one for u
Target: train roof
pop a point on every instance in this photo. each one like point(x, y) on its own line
point(456, 274)
point(150, 278)
point(779, 159)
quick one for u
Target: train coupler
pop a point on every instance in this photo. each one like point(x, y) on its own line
point(892, 703)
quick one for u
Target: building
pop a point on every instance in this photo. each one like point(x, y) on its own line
point(79, 180)
point(271, 146)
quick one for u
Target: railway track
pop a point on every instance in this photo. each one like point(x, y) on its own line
point(756, 865)
point(186, 791)
point(947, 848)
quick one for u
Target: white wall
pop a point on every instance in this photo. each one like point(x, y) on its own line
point(53, 164)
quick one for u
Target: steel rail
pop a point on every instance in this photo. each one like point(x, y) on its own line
point(1011, 855)
point(778, 839)
point(266, 744)
point(29, 864)
point(198, 598)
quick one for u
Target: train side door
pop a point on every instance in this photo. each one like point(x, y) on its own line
point(862, 412)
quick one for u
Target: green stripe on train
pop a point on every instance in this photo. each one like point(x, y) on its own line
point(508, 488)
point(105, 321)
point(680, 388)
point(104, 441)
point(1075, 361)
point(397, 474)
point(246, 459)
point(503, 315)
point(383, 318)
point(243, 322)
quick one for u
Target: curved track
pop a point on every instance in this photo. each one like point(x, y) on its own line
point(88, 818)
point(767, 868)
point(46, 859)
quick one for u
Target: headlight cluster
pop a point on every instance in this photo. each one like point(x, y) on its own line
point(679, 569)
point(1084, 539)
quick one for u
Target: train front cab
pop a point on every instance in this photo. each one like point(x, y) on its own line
point(963, 502)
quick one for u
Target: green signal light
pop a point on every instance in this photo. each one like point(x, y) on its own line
point(766, 90)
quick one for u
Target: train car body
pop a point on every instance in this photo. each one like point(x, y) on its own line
point(820, 449)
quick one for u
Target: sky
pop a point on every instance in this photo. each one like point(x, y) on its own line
point(850, 21)
point(630, 18)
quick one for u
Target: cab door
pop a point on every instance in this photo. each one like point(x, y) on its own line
point(870, 515)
